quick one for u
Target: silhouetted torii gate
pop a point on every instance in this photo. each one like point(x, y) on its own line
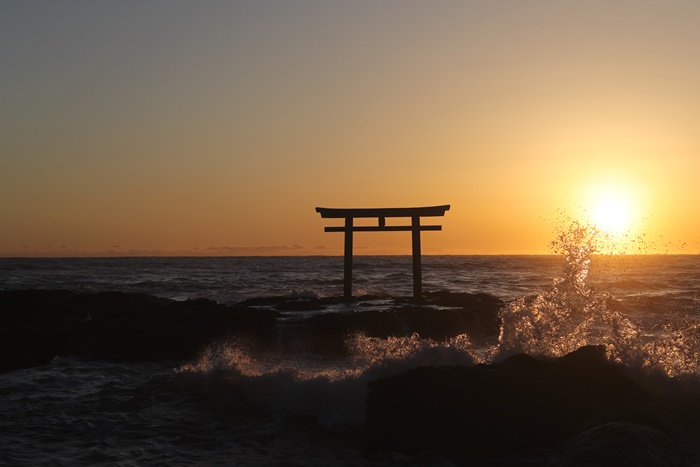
point(381, 214)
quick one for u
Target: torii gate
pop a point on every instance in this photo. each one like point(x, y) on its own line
point(381, 214)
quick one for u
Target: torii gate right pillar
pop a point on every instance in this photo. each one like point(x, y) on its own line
point(417, 268)
point(347, 263)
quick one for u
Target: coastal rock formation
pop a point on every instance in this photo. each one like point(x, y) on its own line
point(513, 409)
point(37, 325)
point(442, 315)
point(326, 332)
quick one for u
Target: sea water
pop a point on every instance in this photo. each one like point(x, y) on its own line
point(232, 406)
point(233, 279)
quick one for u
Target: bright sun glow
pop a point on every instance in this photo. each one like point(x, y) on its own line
point(612, 214)
point(613, 209)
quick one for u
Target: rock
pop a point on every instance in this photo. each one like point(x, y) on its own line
point(171, 331)
point(36, 325)
point(519, 407)
point(444, 315)
point(483, 305)
point(26, 349)
point(622, 443)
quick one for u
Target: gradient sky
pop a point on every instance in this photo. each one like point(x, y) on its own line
point(179, 127)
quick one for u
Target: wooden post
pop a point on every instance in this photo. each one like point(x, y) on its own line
point(347, 279)
point(417, 273)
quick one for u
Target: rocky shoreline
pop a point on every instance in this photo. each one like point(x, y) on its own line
point(38, 325)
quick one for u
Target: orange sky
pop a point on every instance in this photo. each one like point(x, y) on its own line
point(179, 127)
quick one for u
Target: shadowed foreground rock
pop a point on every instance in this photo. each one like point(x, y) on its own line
point(519, 408)
point(621, 443)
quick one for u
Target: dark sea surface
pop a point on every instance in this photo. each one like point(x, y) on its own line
point(236, 407)
point(233, 279)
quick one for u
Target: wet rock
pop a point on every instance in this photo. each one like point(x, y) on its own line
point(174, 331)
point(37, 325)
point(622, 443)
point(484, 306)
point(26, 349)
point(519, 407)
point(443, 315)
point(283, 303)
point(326, 333)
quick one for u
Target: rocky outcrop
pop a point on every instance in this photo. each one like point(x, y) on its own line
point(440, 316)
point(519, 408)
point(37, 325)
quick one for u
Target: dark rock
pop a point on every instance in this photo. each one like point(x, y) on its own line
point(483, 305)
point(326, 333)
point(442, 316)
point(622, 443)
point(301, 304)
point(519, 407)
point(36, 325)
point(282, 303)
point(26, 348)
point(172, 331)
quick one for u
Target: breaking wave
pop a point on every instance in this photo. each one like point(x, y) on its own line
point(331, 391)
point(572, 314)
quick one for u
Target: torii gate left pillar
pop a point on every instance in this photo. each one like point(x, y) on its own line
point(381, 214)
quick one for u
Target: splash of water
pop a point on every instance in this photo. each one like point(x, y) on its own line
point(333, 392)
point(572, 314)
point(676, 351)
point(374, 352)
point(561, 319)
point(380, 356)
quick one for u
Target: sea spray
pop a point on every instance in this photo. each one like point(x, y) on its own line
point(676, 350)
point(334, 392)
point(572, 313)
point(373, 354)
point(561, 319)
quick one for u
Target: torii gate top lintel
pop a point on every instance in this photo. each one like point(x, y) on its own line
point(428, 211)
point(415, 213)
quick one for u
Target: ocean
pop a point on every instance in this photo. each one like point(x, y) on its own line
point(284, 403)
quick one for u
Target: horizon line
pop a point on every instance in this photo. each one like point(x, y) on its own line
point(408, 255)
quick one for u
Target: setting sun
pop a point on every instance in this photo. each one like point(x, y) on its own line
point(614, 207)
point(612, 212)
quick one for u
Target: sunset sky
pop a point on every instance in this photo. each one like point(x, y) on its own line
point(181, 127)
